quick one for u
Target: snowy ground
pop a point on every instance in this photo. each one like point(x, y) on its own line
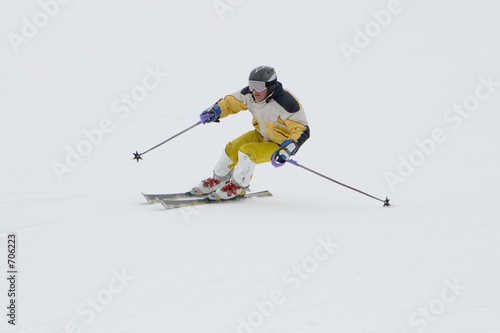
point(402, 99)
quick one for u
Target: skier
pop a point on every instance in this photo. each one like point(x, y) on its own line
point(280, 130)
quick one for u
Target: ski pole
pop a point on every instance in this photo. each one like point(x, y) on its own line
point(386, 201)
point(138, 157)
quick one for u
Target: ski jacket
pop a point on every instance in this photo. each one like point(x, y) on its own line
point(277, 118)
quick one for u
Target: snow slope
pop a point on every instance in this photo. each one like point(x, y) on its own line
point(402, 99)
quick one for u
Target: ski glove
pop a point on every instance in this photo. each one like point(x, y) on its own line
point(211, 114)
point(287, 149)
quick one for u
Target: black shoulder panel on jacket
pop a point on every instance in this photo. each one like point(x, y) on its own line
point(245, 91)
point(286, 100)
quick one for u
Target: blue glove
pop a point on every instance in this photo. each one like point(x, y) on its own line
point(212, 114)
point(287, 149)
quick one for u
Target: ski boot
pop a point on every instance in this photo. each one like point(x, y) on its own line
point(209, 185)
point(228, 192)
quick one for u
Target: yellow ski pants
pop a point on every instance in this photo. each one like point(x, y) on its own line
point(253, 145)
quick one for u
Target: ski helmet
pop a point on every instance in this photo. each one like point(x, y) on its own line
point(264, 74)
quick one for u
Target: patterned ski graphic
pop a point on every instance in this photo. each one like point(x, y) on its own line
point(171, 204)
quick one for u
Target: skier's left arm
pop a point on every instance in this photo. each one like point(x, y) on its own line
point(299, 128)
point(299, 133)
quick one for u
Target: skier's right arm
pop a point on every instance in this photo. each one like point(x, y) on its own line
point(231, 104)
point(211, 114)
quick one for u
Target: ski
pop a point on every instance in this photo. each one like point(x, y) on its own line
point(171, 204)
point(155, 198)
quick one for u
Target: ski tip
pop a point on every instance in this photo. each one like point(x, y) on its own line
point(145, 196)
point(163, 203)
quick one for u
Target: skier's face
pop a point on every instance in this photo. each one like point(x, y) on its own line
point(259, 96)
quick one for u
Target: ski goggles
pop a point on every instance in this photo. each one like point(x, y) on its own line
point(258, 86)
